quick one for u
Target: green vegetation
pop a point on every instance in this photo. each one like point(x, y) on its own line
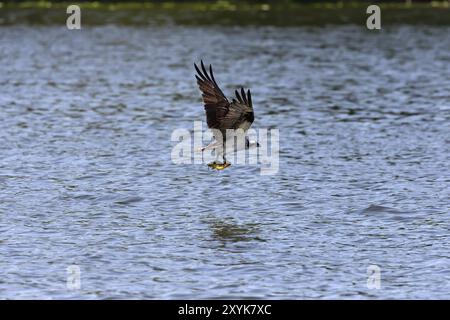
point(283, 13)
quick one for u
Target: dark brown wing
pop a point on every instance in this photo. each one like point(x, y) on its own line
point(216, 104)
point(245, 106)
point(220, 113)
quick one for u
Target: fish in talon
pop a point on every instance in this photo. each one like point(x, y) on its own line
point(219, 166)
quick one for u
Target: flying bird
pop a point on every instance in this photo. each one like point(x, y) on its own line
point(222, 114)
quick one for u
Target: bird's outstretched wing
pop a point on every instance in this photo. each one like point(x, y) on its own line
point(220, 113)
point(216, 104)
point(240, 115)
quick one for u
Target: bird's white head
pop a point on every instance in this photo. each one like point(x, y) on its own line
point(253, 144)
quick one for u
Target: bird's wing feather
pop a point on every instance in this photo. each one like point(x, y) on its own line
point(236, 116)
point(220, 113)
point(243, 115)
point(215, 102)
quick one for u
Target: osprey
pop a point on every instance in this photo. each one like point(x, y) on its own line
point(222, 114)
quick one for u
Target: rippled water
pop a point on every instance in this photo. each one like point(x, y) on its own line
point(86, 177)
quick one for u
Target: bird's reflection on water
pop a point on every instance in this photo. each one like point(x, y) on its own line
point(229, 231)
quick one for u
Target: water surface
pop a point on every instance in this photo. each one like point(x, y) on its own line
point(86, 177)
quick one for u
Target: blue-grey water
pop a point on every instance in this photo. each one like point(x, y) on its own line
point(86, 177)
